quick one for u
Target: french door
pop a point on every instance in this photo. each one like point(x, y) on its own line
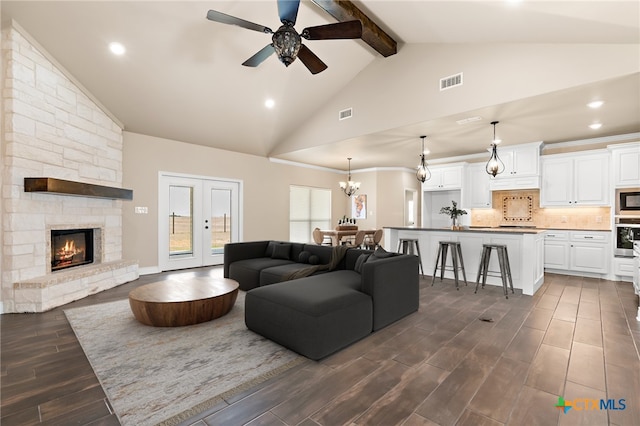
point(197, 217)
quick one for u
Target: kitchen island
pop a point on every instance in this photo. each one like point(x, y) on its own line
point(525, 247)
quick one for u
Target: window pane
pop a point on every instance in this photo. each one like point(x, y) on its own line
point(180, 220)
point(308, 208)
point(220, 219)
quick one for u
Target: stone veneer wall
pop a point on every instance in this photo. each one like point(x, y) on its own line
point(52, 129)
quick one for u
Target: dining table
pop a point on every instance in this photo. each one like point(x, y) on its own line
point(337, 235)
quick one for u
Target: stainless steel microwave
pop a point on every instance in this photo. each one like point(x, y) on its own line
point(628, 201)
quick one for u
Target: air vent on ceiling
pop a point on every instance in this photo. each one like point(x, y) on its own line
point(451, 81)
point(345, 113)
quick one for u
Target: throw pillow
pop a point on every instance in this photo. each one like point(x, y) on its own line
point(281, 251)
point(314, 259)
point(360, 261)
point(304, 257)
point(269, 251)
point(380, 253)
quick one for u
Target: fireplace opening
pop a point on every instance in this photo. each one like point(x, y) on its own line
point(71, 247)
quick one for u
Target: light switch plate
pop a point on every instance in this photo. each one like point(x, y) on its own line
point(142, 210)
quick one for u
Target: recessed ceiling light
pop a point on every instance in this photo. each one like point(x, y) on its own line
point(270, 103)
point(117, 48)
point(595, 104)
point(595, 126)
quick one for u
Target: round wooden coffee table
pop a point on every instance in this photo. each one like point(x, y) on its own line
point(179, 303)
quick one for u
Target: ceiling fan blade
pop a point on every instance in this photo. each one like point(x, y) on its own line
point(288, 10)
point(339, 30)
point(310, 60)
point(259, 57)
point(223, 18)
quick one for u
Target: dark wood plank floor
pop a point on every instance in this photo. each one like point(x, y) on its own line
point(577, 338)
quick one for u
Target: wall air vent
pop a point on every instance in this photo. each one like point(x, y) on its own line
point(345, 113)
point(451, 81)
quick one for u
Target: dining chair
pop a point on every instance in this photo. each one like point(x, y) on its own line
point(358, 239)
point(373, 240)
point(321, 239)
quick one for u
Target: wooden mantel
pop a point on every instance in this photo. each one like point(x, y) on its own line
point(68, 187)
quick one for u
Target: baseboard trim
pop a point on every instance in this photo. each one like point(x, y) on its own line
point(149, 270)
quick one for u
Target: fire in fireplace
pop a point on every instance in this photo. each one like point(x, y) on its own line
point(71, 247)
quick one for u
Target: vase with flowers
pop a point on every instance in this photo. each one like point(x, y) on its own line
point(453, 213)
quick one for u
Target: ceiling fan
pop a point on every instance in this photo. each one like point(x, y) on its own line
point(286, 42)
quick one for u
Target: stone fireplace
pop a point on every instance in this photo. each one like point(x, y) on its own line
point(53, 128)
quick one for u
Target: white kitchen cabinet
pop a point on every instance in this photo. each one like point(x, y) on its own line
point(521, 167)
point(444, 178)
point(520, 160)
point(626, 165)
point(476, 193)
point(577, 251)
point(556, 250)
point(624, 267)
point(575, 180)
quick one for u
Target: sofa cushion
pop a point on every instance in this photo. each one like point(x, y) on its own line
point(247, 271)
point(314, 259)
point(276, 274)
point(313, 316)
point(281, 251)
point(322, 252)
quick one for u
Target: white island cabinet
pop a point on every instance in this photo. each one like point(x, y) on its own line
point(525, 248)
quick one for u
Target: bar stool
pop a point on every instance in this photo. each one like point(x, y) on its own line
point(407, 245)
point(503, 262)
point(456, 259)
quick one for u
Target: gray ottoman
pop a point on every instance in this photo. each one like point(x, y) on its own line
point(312, 316)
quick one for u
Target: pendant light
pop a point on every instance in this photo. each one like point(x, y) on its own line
point(423, 174)
point(495, 165)
point(350, 187)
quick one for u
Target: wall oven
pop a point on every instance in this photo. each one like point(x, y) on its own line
point(627, 231)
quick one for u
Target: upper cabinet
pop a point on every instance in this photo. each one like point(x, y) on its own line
point(521, 167)
point(476, 193)
point(626, 165)
point(444, 178)
point(575, 179)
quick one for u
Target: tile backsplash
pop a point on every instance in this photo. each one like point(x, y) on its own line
point(523, 208)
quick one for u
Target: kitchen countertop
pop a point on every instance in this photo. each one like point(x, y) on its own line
point(506, 230)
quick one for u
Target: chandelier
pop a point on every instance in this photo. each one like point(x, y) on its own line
point(350, 187)
point(423, 174)
point(494, 166)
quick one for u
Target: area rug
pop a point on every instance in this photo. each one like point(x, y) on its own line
point(158, 375)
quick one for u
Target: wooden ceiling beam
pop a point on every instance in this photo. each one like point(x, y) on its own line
point(372, 34)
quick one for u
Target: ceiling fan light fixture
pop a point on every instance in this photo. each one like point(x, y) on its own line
point(286, 43)
point(494, 166)
point(422, 173)
point(350, 187)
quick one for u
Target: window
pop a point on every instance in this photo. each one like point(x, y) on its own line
point(309, 208)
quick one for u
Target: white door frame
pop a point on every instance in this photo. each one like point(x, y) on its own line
point(199, 184)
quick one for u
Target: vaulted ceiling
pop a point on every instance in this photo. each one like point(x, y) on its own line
point(532, 65)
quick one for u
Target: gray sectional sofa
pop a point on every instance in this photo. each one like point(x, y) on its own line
point(321, 313)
